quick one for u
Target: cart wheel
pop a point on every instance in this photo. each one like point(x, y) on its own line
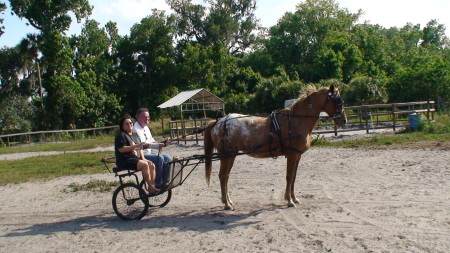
point(160, 200)
point(128, 202)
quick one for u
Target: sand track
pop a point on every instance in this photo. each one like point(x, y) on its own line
point(353, 200)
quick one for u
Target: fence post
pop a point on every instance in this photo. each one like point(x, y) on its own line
point(428, 110)
point(367, 124)
point(162, 126)
point(177, 131)
point(195, 129)
point(393, 117)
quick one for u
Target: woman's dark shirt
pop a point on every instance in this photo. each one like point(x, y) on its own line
point(124, 139)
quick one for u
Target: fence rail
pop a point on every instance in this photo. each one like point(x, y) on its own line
point(379, 116)
point(362, 117)
point(29, 136)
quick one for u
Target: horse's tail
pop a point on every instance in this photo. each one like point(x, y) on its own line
point(209, 146)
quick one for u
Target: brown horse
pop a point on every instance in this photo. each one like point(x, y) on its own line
point(286, 132)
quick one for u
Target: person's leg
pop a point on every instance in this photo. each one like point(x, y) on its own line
point(158, 160)
point(149, 174)
point(167, 168)
point(167, 158)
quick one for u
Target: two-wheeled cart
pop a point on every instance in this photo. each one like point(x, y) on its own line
point(131, 199)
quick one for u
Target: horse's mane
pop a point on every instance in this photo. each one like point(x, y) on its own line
point(308, 90)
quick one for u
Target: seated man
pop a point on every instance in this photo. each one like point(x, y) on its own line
point(144, 134)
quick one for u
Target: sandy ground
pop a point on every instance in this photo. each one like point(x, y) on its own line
point(353, 200)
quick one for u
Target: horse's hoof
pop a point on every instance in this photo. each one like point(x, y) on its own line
point(296, 201)
point(291, 204)
point(228, 208)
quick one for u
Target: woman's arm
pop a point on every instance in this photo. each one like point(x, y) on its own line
point(127, 149)
point(141, 151)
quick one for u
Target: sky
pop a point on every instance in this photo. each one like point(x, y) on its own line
point(126, 13)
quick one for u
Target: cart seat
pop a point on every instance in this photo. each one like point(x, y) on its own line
point(117, 169)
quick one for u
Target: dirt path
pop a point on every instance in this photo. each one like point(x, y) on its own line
point(352, 201)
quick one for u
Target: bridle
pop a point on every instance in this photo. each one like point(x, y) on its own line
point(338, 103)
point(332, 96)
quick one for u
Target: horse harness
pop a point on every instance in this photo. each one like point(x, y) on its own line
point(275, 128)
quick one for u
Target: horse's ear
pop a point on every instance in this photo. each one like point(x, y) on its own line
point(331, 88)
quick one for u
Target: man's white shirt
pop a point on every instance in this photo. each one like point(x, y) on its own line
point(146, 136)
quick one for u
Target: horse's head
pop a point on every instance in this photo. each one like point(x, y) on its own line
point(334, 106)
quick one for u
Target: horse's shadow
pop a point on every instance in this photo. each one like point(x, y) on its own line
point(200, 221)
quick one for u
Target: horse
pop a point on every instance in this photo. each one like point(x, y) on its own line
point(285, 132)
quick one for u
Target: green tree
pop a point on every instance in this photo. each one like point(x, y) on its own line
point(271, 93)
point(52, 19)
point(309, 42)
point(147, 63)
point(260, 61)
point(10, 66)
point(365, 90)
point(2, 10)
point(371, 44)
point(94, 71)
point(29, 52)
point(206, 67)
point(16, 114)
point(426, 76)
point(231, 22)
point(51, 15)
point(399, 43)
point(434, 35)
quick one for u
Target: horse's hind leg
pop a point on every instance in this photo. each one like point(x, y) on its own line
point(295, 199)
point(224, 174)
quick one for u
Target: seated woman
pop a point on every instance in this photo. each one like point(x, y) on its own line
point(129, 155)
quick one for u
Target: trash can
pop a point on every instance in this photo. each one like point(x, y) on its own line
point(414, 120)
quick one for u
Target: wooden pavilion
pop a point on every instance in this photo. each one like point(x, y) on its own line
point(194, 107)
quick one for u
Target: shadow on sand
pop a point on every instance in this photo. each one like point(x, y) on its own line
point(200, 221)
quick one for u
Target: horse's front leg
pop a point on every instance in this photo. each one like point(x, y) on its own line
point(295, 199)
point(291, 170)
point(224, 174)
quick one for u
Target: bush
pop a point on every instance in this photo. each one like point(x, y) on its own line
point(441, 125)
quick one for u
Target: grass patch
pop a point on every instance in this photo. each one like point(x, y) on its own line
point(400, 140)
point(82, 144)
point(440, 126)
point(94, 185)
point(426, 135)
point(48, 167)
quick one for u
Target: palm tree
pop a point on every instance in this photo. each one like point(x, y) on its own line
point(29, 50)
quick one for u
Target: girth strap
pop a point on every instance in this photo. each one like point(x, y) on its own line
point(277, 129)
point(275, 124)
